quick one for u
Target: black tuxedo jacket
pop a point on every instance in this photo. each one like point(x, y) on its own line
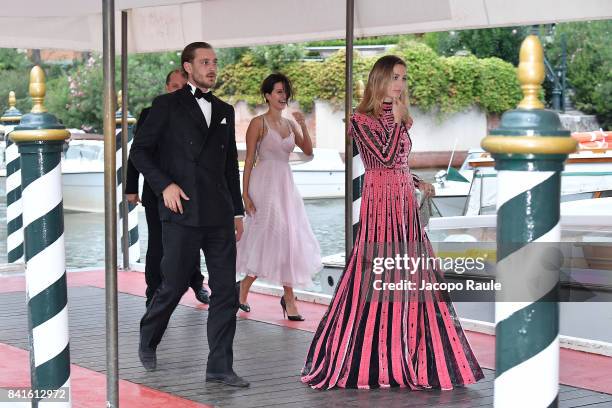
point(175, 145)
point(148, 198)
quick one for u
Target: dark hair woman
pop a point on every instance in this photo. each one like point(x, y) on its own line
point(278, 244)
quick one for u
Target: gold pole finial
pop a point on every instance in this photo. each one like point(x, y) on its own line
point(12, 100)
point(37, 89)
point(531, 72)
point(360, 89)
point(119, 95)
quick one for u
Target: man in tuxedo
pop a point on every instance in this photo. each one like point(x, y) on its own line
point(175, 80)
point(196, 175)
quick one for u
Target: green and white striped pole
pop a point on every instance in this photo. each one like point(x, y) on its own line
point(133, 242)
point(529, 148)
point(40, 138)
point(14, 221)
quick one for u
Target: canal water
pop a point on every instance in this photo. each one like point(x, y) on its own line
point(84, 232)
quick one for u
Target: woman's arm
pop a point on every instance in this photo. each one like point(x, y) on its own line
point(302, 139)
point(384, 148)
point(252, 137)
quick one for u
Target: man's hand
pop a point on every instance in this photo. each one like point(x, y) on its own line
point(239, 228)
point(172, 198)
point(132, 198)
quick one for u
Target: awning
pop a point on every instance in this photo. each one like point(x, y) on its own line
point(159, 25)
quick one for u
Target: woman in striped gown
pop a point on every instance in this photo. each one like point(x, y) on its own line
point(373, 335)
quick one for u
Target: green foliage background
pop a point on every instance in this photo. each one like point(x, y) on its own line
point(438, 80)
point(437, 84)
point(589, 59)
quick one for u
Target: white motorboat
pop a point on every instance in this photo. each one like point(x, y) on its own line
point(585, 263)
point(587, 174)
point(319, 176)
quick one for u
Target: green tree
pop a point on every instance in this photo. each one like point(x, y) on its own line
point(228, 56)
point(17, 81)
point(11, 59)
point(589, 65)
point(502, 43)
point(274, 57)
point(77, 98)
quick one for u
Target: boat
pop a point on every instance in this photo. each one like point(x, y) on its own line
point(472, 189)
point(585, 259)
point(318, 176)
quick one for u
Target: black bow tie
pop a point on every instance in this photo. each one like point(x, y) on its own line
point(199, 94)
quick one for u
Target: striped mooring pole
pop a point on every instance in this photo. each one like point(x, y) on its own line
point(14, 220)
point(133, 242)
point(40, 138)
point(529, 149)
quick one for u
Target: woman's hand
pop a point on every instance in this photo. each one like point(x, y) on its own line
point(408, 122)
point(400, 113)
point(299, 118)
point(397, 110)
point(249, 207)
point(427, 189)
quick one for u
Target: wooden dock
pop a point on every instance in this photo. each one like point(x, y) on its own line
point(268, 355)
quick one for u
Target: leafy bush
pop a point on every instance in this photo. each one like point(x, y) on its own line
point(443, 85)
point(497, 88)
point(440, 84)
point(303, 76)
point(462, 74)
point(241, 81)
point(330, 79)
point(427, 77)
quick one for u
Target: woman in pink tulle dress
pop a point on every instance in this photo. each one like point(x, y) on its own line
point(278, 244)
point(373, 335)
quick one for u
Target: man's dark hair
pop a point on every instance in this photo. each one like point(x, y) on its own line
point(268, 84)
point(180, 71)
point(188, 53)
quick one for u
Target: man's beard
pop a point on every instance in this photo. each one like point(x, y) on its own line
point(204, 82)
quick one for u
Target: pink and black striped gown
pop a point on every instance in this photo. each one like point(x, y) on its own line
point(382, 338)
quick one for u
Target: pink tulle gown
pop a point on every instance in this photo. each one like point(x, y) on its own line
point(278, 244)
point(382, 338)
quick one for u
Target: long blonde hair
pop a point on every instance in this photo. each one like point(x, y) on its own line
point(378, 82)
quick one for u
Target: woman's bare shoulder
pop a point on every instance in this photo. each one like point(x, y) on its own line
point(256, 122)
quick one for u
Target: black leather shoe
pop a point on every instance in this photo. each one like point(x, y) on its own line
point(148, 358)
point(202, 295)
point(233, 380)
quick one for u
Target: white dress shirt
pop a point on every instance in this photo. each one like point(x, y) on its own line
point(205, 106)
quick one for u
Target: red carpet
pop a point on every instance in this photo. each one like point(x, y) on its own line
point(88, 387)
